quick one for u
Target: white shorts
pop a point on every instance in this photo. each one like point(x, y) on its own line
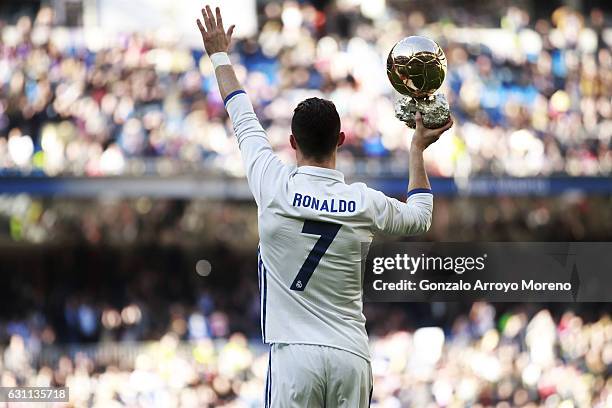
point(312, 376)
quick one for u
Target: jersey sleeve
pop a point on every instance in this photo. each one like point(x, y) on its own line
point(263, 167)
point(395, 217)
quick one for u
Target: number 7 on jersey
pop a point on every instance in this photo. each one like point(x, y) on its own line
point(327, 231)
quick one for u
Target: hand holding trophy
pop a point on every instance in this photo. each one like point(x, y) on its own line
point(416, 67)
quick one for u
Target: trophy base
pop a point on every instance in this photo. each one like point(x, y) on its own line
point(435, 111)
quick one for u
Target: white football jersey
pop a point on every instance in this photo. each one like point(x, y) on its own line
point(311, 228)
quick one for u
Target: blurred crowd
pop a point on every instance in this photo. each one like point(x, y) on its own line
point(483, 358)
point(530, 96)
point(123, 222)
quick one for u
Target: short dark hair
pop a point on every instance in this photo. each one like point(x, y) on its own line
point(316, 127)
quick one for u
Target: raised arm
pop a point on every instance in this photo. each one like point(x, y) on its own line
point(216, 43)
point(415, 215)
point(263, 168)
point(422, 138)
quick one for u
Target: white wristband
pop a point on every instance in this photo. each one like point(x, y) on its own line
point(220, 58)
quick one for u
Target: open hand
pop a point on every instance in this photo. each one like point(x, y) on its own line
point(423, 136)
point(215, 38)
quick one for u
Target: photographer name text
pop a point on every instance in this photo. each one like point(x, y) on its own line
point(478, 285)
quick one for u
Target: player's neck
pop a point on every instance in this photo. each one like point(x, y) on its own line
point(329, 163)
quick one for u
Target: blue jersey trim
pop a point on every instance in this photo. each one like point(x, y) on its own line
point(265, 302)
point(263, 292)
point(269, 395)
point(419, 190)
point(268, 377)
point(231, 95)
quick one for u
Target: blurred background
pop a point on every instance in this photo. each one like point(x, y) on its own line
point(128, 235)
